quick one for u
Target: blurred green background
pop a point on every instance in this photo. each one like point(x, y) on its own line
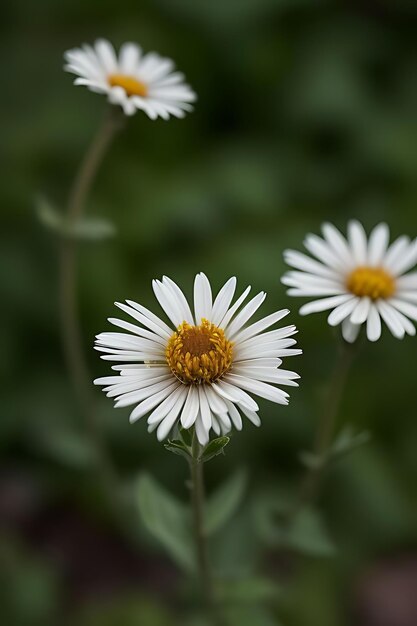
point(306, 112)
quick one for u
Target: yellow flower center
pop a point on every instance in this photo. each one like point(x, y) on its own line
point(131, 85)
point(373, 282)
point(199, 354)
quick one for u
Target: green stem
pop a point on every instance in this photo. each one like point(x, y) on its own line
point(327, 423)
point(200, 535)
point(69, 308)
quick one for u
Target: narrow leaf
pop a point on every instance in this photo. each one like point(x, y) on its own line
point(215, 447)
point(224, 501)
point(166, 519)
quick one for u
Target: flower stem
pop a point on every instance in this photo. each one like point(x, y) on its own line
point(69, 309)
point(325, 432)
point(200, 536)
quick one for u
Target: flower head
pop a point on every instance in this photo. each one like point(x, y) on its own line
point(361, 280)
point(201, 371)
point(131, 79)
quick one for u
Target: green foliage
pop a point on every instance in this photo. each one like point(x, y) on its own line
point(224, 502)
point(213, 448)
point(87, 228)
point(300, 529)
point(345, 442)
point(176, 446)
point(166, 519)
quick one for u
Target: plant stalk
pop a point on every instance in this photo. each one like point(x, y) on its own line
point(69, 305)
point(327, 423)
point(200, 536)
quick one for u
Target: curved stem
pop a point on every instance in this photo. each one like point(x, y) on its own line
point(69, 310)
point(325, 432)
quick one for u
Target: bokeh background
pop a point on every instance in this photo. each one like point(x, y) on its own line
point(306, 112)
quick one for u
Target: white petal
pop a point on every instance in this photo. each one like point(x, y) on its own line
point(234, 415)
point(408, 281)
point(217, 403)
point(315, 291)
point(261, 325)
point(181, 300)
point(107, 56)
point(357, 241)
point(406, 261)
point(151, 390)
point(338, 244)
point(361, 311)
point(129, 58)
point(341, 312)
point(387, 313)
point(168, 302)
point(145, 317)
point(191, 407)
point(169, 421)
point(169, 405)
point(245, 314)
point(142, 332)
point(373, 325)
point(396, 251)
point(228, 316)
point(234, 394)
point(378, 242)
point(410, 310)
point(258, 388)
point(251, 415)
point(323, 251)
point(150, 403)
point(223, 300)
point(201, 432)
point(202, 298)
point(204, 408)
point(304, 263)
point(350, 331)
point(325, 304)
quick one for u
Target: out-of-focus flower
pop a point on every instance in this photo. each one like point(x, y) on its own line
point(200, 372)
point(361, 280)
point(131, 79)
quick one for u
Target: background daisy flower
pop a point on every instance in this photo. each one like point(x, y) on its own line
point(202, 370)
point(362, 280)
point(131, 79)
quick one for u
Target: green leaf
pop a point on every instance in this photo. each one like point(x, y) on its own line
point(347, 441)
point(310, 460)
point(186, 436)
point(92, 228)
point(308, 535)
point(89, 228)
point(215, 447)
point(247, 590)
point(69, 448)
point(166, 519)
point(178, 447)
point(224, 501)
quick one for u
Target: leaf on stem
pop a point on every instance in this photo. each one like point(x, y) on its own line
point(178, 447)
point(213, 448)
point(88, 228)
point(166, 519)
point(224, 502)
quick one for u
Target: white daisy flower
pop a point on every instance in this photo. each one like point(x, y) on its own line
point(361, 280)
point(201, 370)
point(131, 79)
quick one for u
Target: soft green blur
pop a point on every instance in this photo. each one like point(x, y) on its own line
point(306, 112)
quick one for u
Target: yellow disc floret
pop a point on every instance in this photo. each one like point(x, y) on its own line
point(131, 85)
point(374, 282)
point(199, 354)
